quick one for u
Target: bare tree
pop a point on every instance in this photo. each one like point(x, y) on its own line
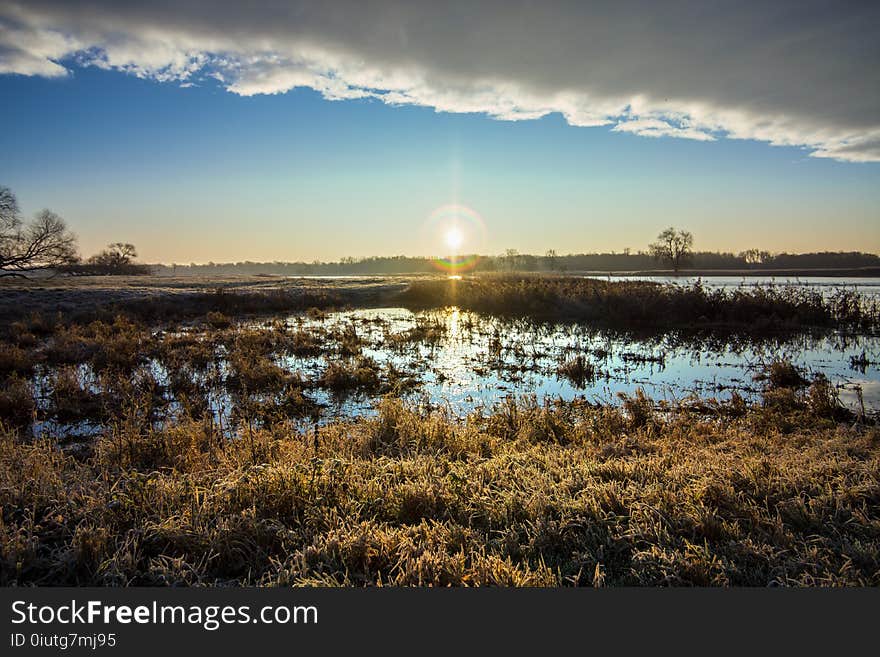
point(10, 222)
point(555, 261)
point(511, 259)
point(673, 246)
point(755, 256)
point(44, 243)
point(117, 255)
point(8, 208)
point(116, 260)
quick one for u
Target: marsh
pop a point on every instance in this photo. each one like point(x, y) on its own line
point(369, 431)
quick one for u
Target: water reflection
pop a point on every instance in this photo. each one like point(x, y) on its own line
point(466, 361)
point(470, 360)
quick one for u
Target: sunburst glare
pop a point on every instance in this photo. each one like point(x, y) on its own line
point(454, 238)
point(460, 231)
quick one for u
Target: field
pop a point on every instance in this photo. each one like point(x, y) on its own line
point(244, 431)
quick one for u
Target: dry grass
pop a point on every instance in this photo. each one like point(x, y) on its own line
point(578, 370)
point(161, 298)
point(631, 304)
point(17, 405)
point(344, 376)
point(705, 493)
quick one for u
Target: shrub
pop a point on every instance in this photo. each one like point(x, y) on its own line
point(218, 320)
point(17, 404)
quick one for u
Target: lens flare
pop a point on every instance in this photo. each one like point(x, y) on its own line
point(456, 228)
point(453, 265)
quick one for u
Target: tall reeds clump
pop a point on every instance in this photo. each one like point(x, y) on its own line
point(629, 304)
point(578, 370)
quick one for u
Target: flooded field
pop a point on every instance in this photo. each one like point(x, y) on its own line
point(470, 361)
point(337, 365)
point(867, 286)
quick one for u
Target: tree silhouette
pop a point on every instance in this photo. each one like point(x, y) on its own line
point(673, 246)
point(117, 255)
point(43, 243)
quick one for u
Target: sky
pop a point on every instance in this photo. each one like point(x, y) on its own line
point(265, 131)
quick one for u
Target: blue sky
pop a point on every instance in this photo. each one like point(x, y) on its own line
point(196, 173)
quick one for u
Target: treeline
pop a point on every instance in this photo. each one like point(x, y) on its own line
point(105, 269)
point(513, 261)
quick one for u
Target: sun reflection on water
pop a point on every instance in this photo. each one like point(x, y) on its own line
point(452, 322)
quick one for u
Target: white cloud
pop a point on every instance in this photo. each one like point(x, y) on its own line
point(661, 128)
point(32, 51)
point(790, 73)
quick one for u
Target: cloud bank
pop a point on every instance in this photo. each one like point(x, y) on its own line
point(799, 73)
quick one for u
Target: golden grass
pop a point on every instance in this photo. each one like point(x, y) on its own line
point(632, 304)
point(705, 493)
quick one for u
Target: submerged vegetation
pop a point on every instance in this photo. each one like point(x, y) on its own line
point(202, 450)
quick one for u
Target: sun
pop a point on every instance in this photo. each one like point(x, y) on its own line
point(459, 233)
point(454, 238)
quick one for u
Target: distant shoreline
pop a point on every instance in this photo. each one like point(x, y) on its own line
point(838, 272)
point(866, 272)
point(183, 274)
point(860, 272)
